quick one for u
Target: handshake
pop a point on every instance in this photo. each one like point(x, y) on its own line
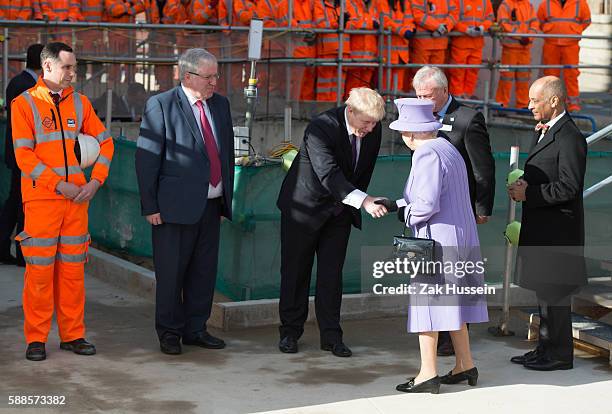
point(378, 207)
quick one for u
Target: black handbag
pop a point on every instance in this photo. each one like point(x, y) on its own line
point(416, 249)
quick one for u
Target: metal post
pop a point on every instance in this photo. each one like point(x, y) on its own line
point(109, 108)
point(502, 329)
point(287, 123)
point(251, 95)
point(339, 85)
point(389, 77)
point(289, 49)
point(485, 109)
point(494, 70)
point(5, 71)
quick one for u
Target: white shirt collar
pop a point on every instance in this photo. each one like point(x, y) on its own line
point(348, 126)
point(554, 120)
point(443, 110)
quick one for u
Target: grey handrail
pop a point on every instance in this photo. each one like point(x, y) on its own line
point(599, 135)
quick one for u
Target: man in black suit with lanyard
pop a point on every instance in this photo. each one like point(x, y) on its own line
point(466, 129)
point(12, 211)
point(320, 199)
point(550, 258)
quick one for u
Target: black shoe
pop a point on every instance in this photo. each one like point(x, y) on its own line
point(528, 357)
point(288, 345)
point(471, 375)
point(547, 364)
point(431, 385)
point(205, 340)
point(170, 344)
point(446, 349)
point(36, 351)
point(79, 346)
point(338, 349)
point(8, 260)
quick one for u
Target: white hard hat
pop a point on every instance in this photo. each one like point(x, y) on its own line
point(87, 151)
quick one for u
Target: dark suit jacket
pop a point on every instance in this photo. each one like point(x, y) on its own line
point(470, 137)
point(172, 167)
point(553, 216)
point(321, 175)
point(15, 87)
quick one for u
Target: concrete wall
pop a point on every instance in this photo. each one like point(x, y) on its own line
point(598, 52)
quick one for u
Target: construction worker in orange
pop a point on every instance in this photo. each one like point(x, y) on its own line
point(328, 14)
point(121, 42)
point(16, 10)
point(396, 15)
point(364, 47)
point(435, 18)
point(235, 44)
point(475, 18)
point(62, 11)
point(515, 16)
point(206, 13)
point(46, 121)
point(90, 42)
point(568, 17)
point(275, 14)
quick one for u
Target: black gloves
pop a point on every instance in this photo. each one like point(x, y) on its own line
point(375, 24)
point(401, 212)
point(410, 34)
point(524, 41)
point(347, 17)
point(390, 205)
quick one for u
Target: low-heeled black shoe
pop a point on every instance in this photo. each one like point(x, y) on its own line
point(338, 349)
point(529, 356)
point(205, 340)
point(36, 351)
point(547, 364)
point(431, 386)
point(471, 375)
point(79, 346)
point(288, 345)
point(170, 344)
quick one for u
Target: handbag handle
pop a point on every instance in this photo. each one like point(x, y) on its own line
point(406, 225)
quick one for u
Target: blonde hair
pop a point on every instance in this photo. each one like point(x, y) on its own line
point(366, 101)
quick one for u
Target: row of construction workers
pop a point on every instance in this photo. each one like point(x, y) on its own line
point(404, 18)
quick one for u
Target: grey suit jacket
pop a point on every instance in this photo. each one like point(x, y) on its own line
point(172, 167)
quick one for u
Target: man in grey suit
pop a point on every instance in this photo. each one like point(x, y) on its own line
point(185, 170)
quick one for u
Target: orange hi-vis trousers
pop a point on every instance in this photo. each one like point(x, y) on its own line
point(463, 81)
point(54, 244)
point(553, 54)
point(521, 77)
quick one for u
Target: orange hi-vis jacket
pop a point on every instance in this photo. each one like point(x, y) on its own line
point(152, 12)
point(428, 16)
point(44, 137)
point(274, 14)
point(516, 16)
point(92, 10)
point(397, 18)
point(15, 10)
point(205, 12)
point(242, 12)
point(572, 18)
point(473, 13)
point(122, 11)
point(175, 12)
point(326, 15)
point(364, 46)
point(61, 10)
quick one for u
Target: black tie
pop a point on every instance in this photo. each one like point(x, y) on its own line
point(56, 97)
point(354, 150)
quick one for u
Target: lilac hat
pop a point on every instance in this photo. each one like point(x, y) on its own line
point(415, 115)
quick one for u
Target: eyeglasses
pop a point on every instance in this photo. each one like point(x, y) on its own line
point(208, 78)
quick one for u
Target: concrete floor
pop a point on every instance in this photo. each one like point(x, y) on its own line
point(130, 375)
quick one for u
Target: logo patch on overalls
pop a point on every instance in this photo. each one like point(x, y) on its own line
point(70, 122)
point(47, 122)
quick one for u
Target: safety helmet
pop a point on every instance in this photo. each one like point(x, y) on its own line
point(86, 150)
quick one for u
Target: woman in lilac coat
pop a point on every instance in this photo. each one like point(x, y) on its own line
point(436, 196)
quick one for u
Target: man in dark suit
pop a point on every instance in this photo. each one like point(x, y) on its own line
point(185, 170)
point(320, 199)
point(12, 211)
point(466, 129)
point(550, 258)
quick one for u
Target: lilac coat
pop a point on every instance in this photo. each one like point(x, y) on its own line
point(437, 192)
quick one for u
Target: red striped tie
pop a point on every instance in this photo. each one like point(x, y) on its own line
point(211, 147)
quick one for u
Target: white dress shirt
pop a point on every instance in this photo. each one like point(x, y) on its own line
point(354, 198)
point(550, 125)
point(213, 192)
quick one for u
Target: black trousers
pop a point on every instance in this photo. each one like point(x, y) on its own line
point(556, 339)
point(11, 216)
point(186, 258)
point(298, 248)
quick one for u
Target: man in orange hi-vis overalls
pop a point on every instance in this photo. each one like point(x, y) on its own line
point(120, 40)
point(570, 17)
point(46, 121)
point(475, 18)
point(515, 16)
point(62, 11)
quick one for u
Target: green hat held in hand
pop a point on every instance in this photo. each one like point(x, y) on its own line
point(512, 233)
point(515, 175)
